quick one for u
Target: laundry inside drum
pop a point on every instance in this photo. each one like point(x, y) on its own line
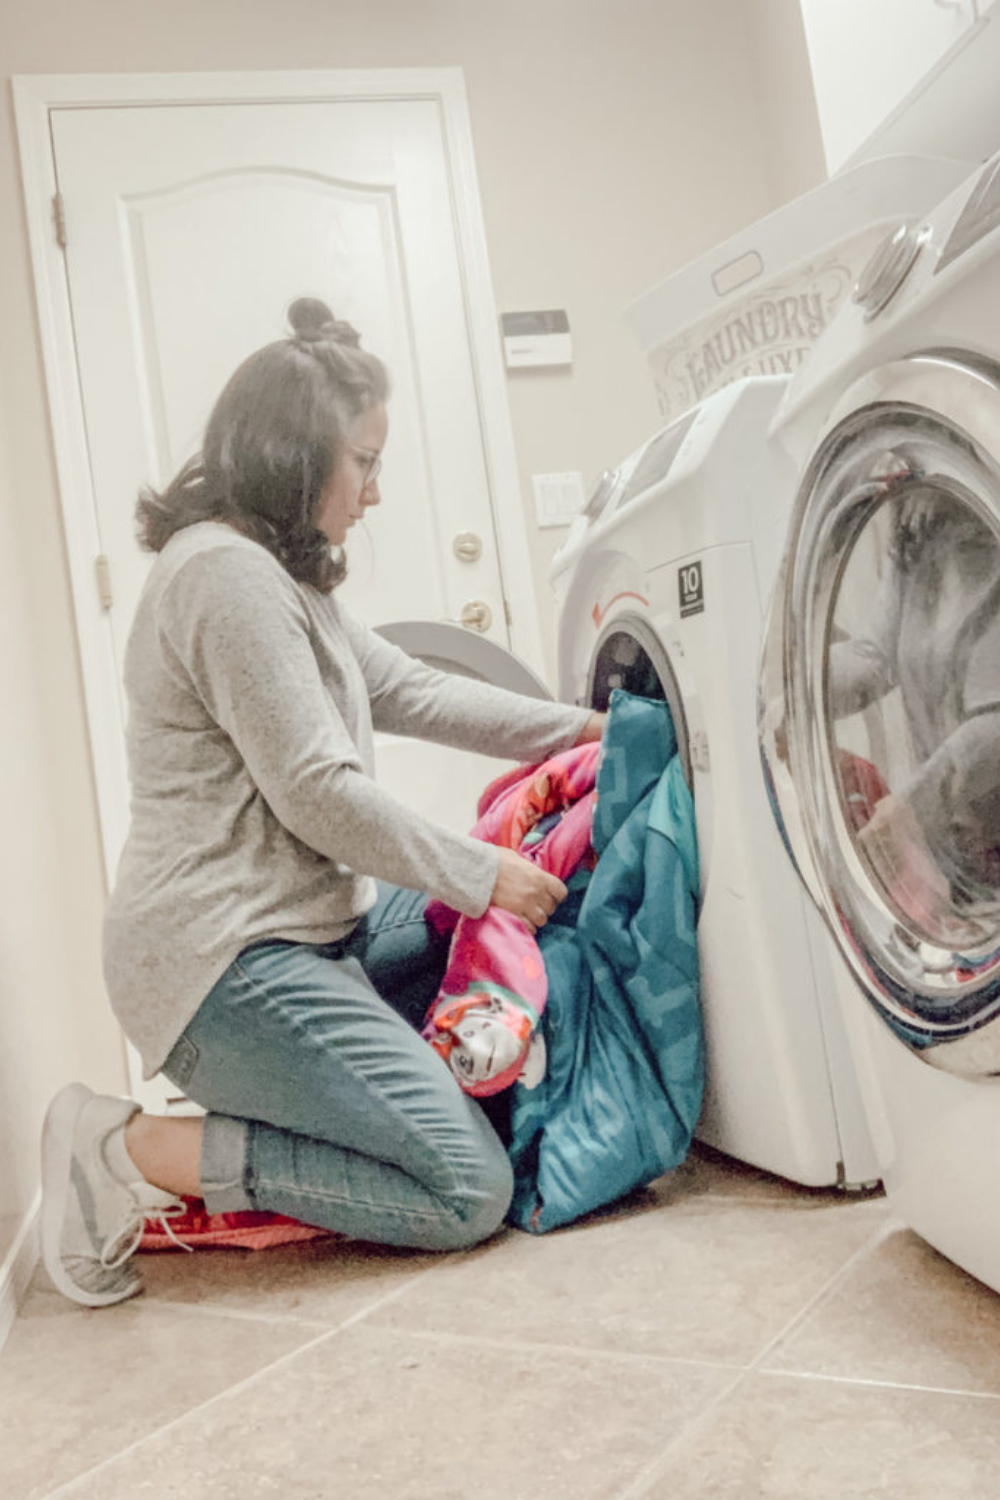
point(913, 704)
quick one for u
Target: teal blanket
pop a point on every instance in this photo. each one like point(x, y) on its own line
point(622, 1026)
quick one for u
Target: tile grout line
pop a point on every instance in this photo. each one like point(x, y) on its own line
point(395, 1295)
point(237, 1314)
point(328, 1334)
point(640, 1486)
point(220, 1310)
point(577, 1351)
point(864, 1249)
point(70, 1485)
point(879, 1385)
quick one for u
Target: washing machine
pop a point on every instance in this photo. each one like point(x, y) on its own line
point(662, 586)
point(879, 701)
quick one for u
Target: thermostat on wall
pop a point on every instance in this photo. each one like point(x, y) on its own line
point(536, 338)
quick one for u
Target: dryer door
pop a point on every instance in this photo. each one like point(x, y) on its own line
point(452, 648)
point(880, 699)
point(438, 781)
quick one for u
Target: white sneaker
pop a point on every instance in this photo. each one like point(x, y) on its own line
point(92, 1220)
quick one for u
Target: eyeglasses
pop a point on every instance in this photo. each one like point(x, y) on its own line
point(373, 464)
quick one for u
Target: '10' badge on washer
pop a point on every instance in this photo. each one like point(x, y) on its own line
point(691, 589)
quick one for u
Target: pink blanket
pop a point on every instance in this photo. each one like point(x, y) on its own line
point(486, 1013)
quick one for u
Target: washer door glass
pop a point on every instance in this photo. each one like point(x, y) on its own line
point(892, 673)
point(913, 698)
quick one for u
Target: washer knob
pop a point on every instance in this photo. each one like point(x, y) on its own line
point(888, 268)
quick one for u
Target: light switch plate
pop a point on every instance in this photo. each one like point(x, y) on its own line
point(558, 497)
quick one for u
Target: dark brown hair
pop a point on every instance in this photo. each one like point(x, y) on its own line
point(275, 436)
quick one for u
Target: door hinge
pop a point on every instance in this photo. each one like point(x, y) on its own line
point(507, 614)
point(102, 569)
point(59, 219)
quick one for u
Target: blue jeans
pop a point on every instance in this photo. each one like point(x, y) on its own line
point(324, 1102)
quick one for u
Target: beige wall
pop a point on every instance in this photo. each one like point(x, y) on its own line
point(778, 58)
point(53, 1023)
point(615, 139)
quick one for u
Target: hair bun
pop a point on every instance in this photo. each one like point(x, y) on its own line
point(313, 322)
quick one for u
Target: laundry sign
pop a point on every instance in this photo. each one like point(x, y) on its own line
point(769, 330)
point(771, 337)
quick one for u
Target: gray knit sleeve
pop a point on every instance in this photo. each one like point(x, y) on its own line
point(408, 697)
point(235, 624)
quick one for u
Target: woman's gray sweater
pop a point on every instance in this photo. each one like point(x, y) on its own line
point(252, 702)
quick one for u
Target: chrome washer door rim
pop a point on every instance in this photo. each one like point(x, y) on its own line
point(944, 1002)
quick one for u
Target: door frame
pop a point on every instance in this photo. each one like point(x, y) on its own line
point(35, 98)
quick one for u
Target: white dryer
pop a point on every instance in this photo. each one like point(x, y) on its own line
point(662, 586)
point(880, 701)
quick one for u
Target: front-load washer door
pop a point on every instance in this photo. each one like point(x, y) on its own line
point(453, 648)
point(438, 781)
point(880, 699)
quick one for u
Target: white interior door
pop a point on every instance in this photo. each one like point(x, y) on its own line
point(190, 229)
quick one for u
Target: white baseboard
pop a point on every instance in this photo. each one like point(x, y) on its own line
point(18, 1268)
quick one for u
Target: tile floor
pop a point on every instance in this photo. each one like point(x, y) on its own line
point(721, 1334)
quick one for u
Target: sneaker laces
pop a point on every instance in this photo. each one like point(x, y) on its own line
point(125, 1240)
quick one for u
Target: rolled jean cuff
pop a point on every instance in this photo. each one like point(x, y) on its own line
point(223, 1164)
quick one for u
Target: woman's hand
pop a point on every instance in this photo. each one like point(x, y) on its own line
point(592, 730)
point(530, 893)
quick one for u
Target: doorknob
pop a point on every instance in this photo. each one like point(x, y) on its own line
point(467, 546)
point(476, 615)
